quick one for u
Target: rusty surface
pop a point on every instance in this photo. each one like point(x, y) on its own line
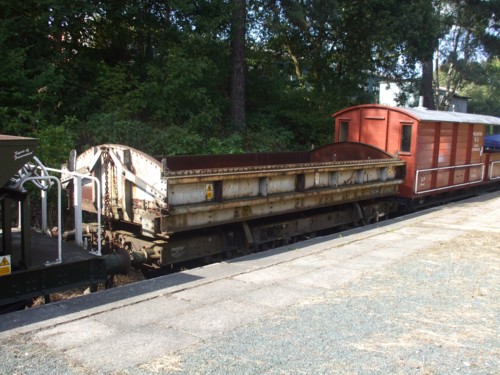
point(188, 217)
point(367, 188)
point(338, 152)
point(199, 175)
point(195, 162)
point(347, 151)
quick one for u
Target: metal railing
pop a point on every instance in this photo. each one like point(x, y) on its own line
point(454, 167)
point(36, 180)
point(77, 204)
point(492, 164)
point(38, 175)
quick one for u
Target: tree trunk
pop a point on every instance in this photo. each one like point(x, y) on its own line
point(427, 91)
point(238, 65)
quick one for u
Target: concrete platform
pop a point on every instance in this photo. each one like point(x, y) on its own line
point(187, 310)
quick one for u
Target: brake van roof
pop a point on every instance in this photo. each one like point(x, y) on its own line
point(426, 115)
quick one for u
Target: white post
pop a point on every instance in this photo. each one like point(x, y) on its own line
point(77, 204)
point(44, 211)
point(19, 215)
point(99, 208)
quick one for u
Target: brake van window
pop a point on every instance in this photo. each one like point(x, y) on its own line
point(406, 138)
point(344, 130)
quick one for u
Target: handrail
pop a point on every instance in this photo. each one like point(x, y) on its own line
point(36, 180)
point(445, 168)
point(491, 170)
point(78, 211)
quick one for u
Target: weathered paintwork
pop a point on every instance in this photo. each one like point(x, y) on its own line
point(443, 150)
point(177, 194)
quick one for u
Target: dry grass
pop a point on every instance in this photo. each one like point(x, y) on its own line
point(460, 299)
point(164, 364)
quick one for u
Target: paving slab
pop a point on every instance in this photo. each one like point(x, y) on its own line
point(146, 312)
point(77, 334)
point(130, 348)
point(211, 320)
point(327, 278)
point(276, 295)
point(366, 262)
point(216, 291)
point(272, 274)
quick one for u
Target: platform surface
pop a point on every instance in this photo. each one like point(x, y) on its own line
point(413, 295)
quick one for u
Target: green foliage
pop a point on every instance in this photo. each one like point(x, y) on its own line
point(469, 35)
point(156, 75)
point(230, 144)
point(114, 128)
point(55, 143)
point(482, 86)
point(176, 91)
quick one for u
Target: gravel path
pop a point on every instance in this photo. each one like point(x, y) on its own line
point(435, 312)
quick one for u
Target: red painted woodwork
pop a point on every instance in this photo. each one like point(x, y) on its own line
point(444, 149)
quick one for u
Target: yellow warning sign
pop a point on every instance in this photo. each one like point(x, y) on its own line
point(5, 265)
point(209, 195)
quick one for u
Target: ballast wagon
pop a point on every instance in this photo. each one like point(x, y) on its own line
point(173, 209)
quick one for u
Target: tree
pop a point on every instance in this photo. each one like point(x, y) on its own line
point(238, 34)
point(470, 35)
point(482, 87)
point(215, 75)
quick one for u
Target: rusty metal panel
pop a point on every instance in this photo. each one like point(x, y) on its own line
point(199, 162)
point(347, 151)
point(246, 187)
point(372, 174)
point(390, 172)
point(281, 184)
point(88, 197)
point(321, 180)
point(346, 177)
point(188, 194)
point(227, 188)
point(186, 217)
